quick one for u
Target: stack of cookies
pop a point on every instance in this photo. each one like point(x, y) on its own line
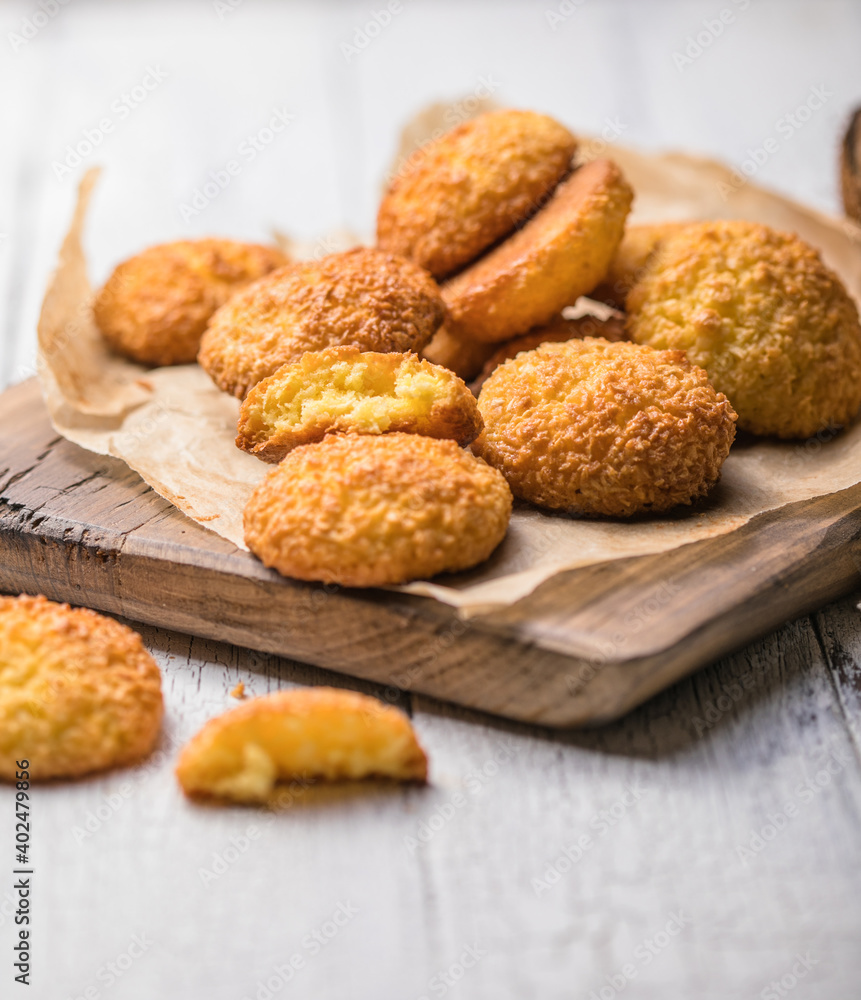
point(353, 369)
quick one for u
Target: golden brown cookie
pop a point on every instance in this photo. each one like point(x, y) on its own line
point(636, 250)
point(366, 511)
point(155, 306)
point(774, 328)
point(304, 734)
point(363, 298)
point(346, 390)
point(472, 186)
point(556, 331)
point(78, 692)
point(604, 429)
point(560, 254)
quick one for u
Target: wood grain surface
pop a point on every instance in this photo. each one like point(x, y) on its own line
point(584, 648)
point(729, 802)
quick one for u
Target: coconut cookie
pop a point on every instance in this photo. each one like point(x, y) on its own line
point(774, 328)
point(365, 511)
point(78, 692)
point(596, 428)
point(561, 253)
point(155, 306)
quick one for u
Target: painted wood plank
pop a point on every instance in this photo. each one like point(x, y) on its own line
point(672, 800)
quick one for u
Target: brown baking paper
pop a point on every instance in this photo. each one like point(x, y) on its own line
point(174, 428)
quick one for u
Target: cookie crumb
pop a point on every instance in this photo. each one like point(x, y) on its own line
point(238, 691)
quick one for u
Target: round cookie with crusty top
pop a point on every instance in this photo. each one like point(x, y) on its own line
point(774, 328)
point(344, 390)
point(363, 298)
point(365, 511)
point(461, 193)
point(78, 691)
point(598, 428)
point(561, 253)
point(155, 306)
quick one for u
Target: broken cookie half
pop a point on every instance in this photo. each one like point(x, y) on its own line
point(307, 733)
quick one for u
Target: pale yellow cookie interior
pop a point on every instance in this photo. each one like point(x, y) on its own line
point(373, 396)
point(345, 390)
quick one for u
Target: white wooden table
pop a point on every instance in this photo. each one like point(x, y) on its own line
point(707, 846)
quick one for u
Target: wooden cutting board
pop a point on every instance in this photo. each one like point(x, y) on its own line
point(584, 648)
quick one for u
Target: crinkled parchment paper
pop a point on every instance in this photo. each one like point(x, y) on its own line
point(175, 429)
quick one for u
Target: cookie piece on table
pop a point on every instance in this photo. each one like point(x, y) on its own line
point(303, 734)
